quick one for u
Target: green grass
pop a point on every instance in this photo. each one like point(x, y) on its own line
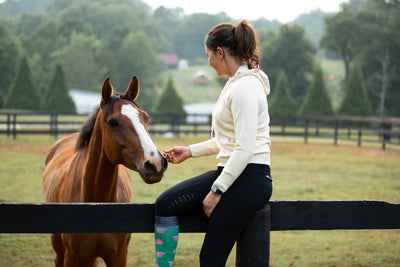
point(316, 171)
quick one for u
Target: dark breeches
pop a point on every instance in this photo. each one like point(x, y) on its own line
point(250, 192)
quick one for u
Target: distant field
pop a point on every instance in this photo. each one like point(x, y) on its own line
point(316, 171)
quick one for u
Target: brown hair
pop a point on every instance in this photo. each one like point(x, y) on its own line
point(240, 40)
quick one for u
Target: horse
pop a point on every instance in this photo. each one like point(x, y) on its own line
point(91, 166)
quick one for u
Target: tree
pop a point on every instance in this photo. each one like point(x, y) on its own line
point(27, 23)
point(1, 100)
point(317, 102)
point(380, 51)
point(355, 101)
point(14, 8)
point(137, 57)
point(282, 102)
point(169, 102)
point(57, 98)
point(8, 59)
point(80, 59)
point(23, 93)
point(341, 35)
point(189, 39)
point(292, 52)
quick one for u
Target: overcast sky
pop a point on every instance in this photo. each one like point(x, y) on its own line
point(282, 10)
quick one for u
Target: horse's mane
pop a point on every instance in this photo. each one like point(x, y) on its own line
point(85, 133)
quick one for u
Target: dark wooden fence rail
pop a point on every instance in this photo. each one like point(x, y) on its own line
point(358, 129)
point(252, 246)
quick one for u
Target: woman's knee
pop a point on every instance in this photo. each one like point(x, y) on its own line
point(161, 206)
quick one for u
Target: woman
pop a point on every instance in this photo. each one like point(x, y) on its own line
point(242, 183)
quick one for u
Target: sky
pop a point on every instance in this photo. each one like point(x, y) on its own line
point(282, 10)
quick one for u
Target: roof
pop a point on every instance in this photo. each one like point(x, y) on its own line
point(169, 59)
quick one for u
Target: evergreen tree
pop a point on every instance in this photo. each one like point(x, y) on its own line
point(1, 100)
point(282, 102)
point(355, 101)
point(8, 59)
point(56, 97)
point(169, 102)
point(317, 102)
point(289, 50)
point(22, 93)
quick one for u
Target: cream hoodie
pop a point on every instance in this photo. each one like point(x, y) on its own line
point(240, 121)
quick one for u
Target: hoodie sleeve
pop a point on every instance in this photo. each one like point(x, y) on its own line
point(205, 148)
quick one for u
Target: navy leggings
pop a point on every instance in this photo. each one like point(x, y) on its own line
point(250, 192)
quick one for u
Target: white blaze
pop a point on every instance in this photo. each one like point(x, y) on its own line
point(148, 146)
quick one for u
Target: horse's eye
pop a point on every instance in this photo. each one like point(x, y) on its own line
point(113, 123)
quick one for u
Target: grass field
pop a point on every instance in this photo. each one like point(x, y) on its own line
point(316, 171)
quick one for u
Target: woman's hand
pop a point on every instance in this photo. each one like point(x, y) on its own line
point(210, 202)
point(177, 154)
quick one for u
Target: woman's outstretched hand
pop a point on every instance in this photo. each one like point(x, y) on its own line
point(177, 154)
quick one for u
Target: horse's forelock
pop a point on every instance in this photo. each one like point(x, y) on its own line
point(109, 107)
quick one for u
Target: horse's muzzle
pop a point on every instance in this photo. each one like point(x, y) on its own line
point(153, 169)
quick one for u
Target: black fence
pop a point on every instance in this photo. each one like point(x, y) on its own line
point(358, 129)
point(253, 246)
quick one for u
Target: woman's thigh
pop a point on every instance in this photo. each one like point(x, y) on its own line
point(248, 194)
point(186, 196)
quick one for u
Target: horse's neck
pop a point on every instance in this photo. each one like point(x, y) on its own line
point(100, 176)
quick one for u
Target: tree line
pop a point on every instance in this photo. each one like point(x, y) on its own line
point(77, 43)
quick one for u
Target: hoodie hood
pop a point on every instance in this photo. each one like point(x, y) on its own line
point(259, 74)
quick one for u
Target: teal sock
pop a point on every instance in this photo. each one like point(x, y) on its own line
point(166, 240)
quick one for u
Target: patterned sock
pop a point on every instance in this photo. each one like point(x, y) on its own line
point(166, 240)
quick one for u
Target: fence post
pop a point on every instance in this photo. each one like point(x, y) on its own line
point(14, 126)
point(8, 124)
point(336, 133)
point(305, 131)
point(252, 247)
point(53, 125)
point(359, 133)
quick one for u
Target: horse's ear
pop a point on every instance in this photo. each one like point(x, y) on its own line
point(133, 89)
point(106, 92)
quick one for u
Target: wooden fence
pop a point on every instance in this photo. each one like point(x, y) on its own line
point(358, 129)
point(252, 246)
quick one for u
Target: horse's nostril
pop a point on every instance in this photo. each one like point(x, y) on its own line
point(165, 163)
point(150, 167)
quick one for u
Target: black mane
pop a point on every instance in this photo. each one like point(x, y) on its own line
point(85, 133)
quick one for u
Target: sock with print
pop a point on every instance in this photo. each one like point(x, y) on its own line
point(166, 231)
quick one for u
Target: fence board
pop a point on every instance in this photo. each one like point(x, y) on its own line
point(138, 218)
point(332, 215)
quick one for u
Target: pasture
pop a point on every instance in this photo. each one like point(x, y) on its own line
point(316, 171)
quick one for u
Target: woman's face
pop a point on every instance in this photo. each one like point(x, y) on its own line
point(215, 60)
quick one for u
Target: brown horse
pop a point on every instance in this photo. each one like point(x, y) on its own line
point(90, 167)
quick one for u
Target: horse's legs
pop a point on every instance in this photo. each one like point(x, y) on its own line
point(71, 260)
point(59, 249)
point(119, 259)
